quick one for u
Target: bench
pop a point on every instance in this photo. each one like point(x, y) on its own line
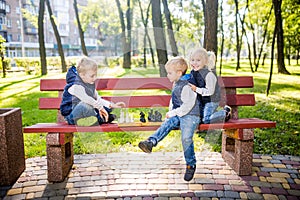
point(237, 134)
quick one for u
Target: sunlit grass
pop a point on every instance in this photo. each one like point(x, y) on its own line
point(281, 105)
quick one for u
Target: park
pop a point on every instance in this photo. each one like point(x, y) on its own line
point(105, 162)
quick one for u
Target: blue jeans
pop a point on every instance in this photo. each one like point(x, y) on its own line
point(187, 125)
point(210, 115)
point(82, 110)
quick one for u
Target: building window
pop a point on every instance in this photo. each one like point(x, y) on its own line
point(18, 24)
point(8, 23)
point(7, 8)
point(9, 38)
point(18, 10)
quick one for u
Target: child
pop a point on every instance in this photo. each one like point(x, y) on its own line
point(183, 113)
point(81, 104)
point(204, 82)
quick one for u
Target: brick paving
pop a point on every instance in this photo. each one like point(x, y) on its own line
point(159, 176)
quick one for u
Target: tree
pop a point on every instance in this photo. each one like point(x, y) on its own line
point(2, 53)
point(146, 36)
point(81, 33)
point(159, 37)
point(170, 29)
point(126, 33)
point(57, 36)
point(42, 48)
point(211, 25)
point(279, 33)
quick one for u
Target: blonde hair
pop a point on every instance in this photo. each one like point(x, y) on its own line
point(208, 56)
point(85, 64)
point(177, 64)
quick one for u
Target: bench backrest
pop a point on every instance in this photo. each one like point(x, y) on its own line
point(156, 92)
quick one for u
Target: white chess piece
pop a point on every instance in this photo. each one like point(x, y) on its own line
point(121, 119)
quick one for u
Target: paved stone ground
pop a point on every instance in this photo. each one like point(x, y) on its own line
point(159, 176)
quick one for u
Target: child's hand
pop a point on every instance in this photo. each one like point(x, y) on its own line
point(104, 114)
point(118, 105)
point(193, 87)
point(167, 115)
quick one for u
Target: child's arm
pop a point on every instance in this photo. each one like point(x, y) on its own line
point(109, 104)
point(188, 98)
point(79, 92)
point(211, 81)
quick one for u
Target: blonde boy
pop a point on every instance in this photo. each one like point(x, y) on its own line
point(81, 104)
point(183, 113)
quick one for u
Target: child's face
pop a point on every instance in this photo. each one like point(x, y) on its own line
point(197, 61)
point(172, 74)
point(89, 76)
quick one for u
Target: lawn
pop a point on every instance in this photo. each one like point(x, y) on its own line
point(282, 105)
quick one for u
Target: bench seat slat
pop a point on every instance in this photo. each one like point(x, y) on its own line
point(246, 123)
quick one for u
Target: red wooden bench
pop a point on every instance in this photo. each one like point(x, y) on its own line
point(237, 137)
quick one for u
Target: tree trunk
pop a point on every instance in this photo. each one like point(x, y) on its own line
point(42, 48)
point(146, 36)
point(57, 36)
point(280, 41)
point(81, 33)
point(222, 39)
point(211, 26)
point(159, 37)
point(125, 38)
point(264, 38)
point(238, 46)
point(272, 59)
point(170, 29)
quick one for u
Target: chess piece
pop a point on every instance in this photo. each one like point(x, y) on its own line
point(121, 119)
point(157, 116)
point(151, 117)
point(142, 117)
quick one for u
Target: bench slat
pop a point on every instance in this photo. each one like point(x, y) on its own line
point(151, 101)
point(248, 123)
point(236, 81)
point(131, 101)
point(112, 84)
point(142, 83)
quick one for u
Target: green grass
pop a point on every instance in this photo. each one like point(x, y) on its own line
point(282, 105)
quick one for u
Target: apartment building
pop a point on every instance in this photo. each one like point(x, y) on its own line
point(22, 34)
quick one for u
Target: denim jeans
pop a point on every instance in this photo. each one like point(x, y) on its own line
point(210, 115)
point(80, 110)
point(187, 125)
point(83, 110)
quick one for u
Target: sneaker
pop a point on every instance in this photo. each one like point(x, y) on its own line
point(228, 112)
point(87, 121)
point(111, 117)
point(146, 146)
point(189, 172)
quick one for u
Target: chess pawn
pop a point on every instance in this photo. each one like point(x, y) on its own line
point(127, 119)
point(121, 120)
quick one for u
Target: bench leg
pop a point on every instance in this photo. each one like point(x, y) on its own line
point(60, 155)
point(237, 150)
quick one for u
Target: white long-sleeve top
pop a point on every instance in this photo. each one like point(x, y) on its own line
point(210, 85)
point(96, 102)
point(188, 97)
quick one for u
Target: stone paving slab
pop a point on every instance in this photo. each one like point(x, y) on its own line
point(159, 176)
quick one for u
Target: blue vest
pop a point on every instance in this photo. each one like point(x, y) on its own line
point(176, 97)
point(68, 100)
